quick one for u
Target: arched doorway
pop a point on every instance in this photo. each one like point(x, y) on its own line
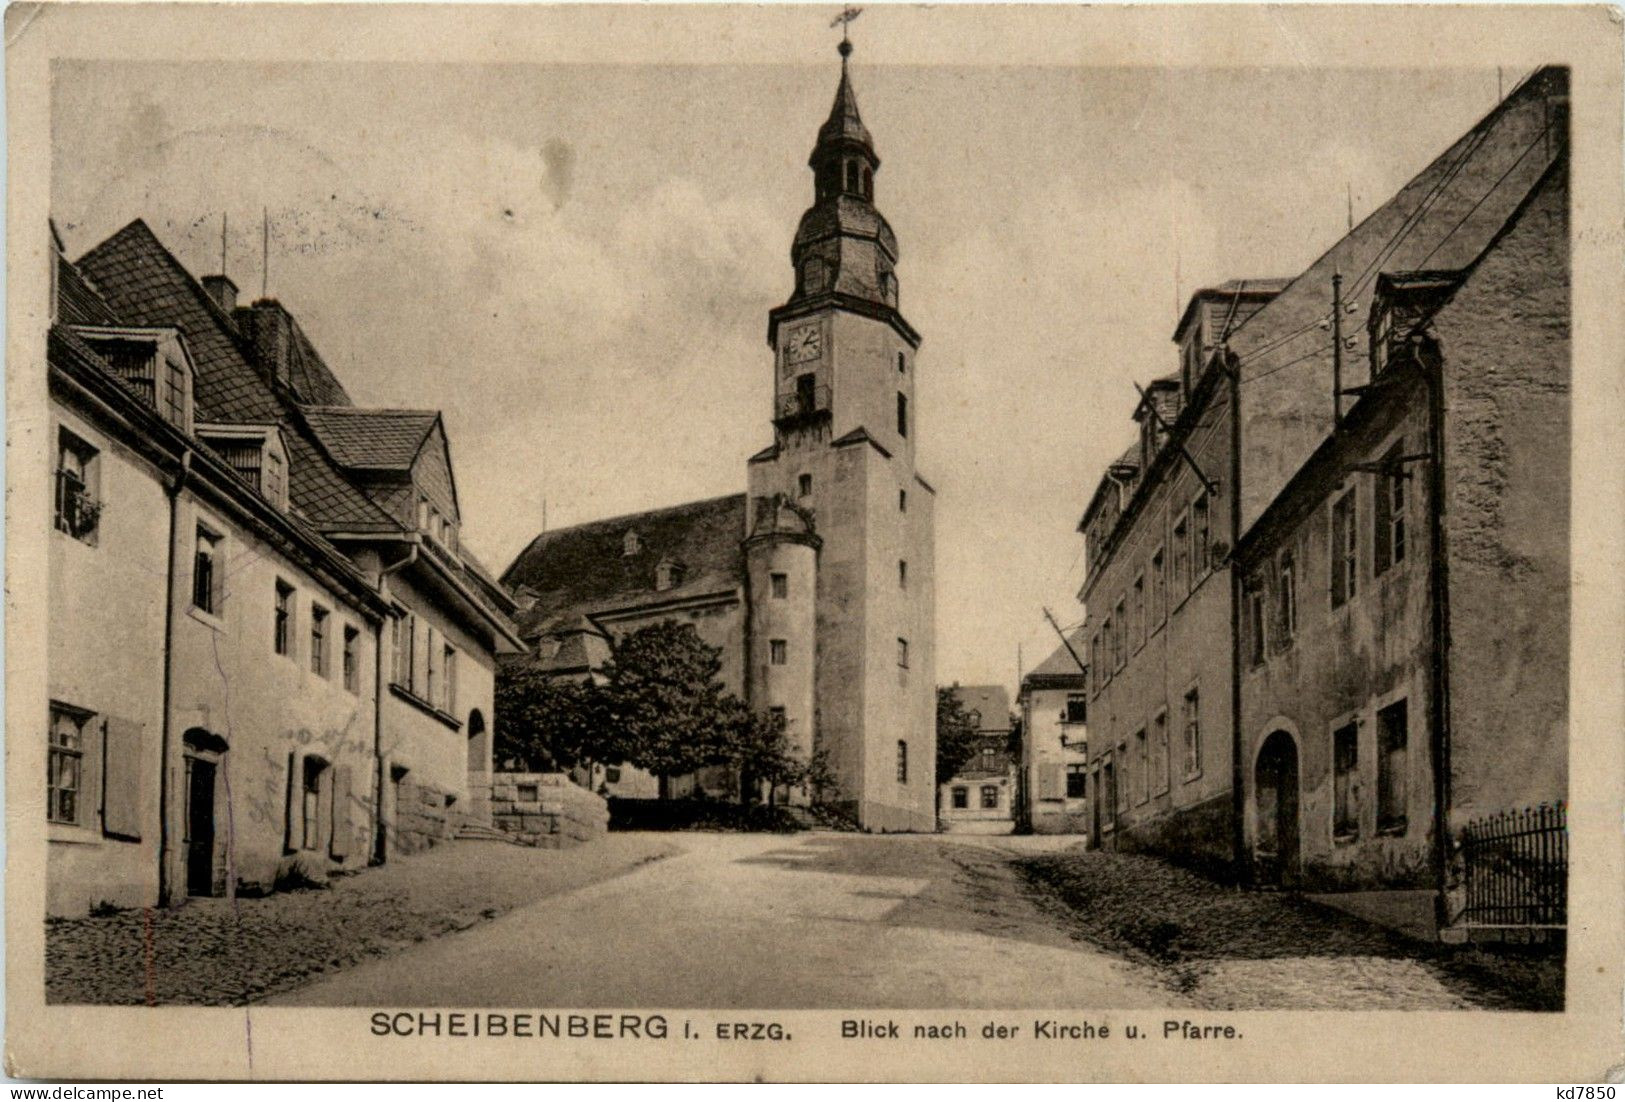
point(1275, 789)
point(479, 750)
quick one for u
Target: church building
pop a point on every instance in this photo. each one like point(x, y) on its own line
point(818, 582)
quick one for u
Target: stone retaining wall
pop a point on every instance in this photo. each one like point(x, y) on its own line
point(546, 809)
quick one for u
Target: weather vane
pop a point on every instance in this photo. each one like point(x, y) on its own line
point(841, 21)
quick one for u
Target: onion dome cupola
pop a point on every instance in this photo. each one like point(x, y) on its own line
point(843, 245)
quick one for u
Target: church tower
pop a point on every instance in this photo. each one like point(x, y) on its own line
point(839, 550)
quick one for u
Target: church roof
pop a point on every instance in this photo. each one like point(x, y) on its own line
point(586, 569)
point(844, 123)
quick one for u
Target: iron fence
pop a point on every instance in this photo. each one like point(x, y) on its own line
point(1516, 868)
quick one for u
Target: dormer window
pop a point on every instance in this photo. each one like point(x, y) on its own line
point(631, 545)
point(256, 452)
point(669, 574)
point(152, 362)
point(1402, 301)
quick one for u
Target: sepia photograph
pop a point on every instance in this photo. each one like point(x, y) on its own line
point(818, 521)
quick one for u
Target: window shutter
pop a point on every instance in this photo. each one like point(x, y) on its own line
point(340, 848)
point(1054, 781)
point(290, 839)
point(122, 776)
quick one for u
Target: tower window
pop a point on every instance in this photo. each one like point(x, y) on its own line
point(631, 545)
point(902, 414)
point(778, 652)
point(902, 762)
point(902, 363)
point(804, 485)
point(868, 184)
point(780, 584)
point(852, 176)
point(902, 501)
point(902, 653)
point(902, 573)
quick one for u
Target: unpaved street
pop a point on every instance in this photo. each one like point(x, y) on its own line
point(739, 920)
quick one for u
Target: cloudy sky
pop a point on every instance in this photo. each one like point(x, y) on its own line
point(575, 262)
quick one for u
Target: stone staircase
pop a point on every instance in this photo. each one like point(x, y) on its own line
point(480, 832)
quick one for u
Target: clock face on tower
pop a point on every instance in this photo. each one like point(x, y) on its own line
point(804, 343)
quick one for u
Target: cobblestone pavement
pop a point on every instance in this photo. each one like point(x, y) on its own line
point(1226, 948)
point(219, 952)
point(819, 919)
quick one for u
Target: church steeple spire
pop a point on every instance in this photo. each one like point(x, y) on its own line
point(843, 249)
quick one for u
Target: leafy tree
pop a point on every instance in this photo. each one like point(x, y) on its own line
point(663, 694)
point(547, 723)
point(957, 740)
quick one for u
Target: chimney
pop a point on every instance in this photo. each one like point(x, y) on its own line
point(222, 290)
point(269, 329)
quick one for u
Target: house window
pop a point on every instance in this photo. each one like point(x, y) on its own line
point(282, 635)
point(902, 573)
point(990, 797)
point(1192, 717)
point(1077, 708)
point(527, 793)
point(77, 509)
point(1076, 781)
point(961, 797)
point(902, 653)
point(780, 585)
point(402, 637)
point(431, 684)
point(1392, 767)
point(902, 414)
point(1120, 790)
point(778, 652)
point(990, 759)
point(206, 572)
point(352, 659)
point(448, 674)
point(318, 640)
point(1201, 539)
point(1345, 541)
point(1345, 770)
point(804, 485)
point(777, 717)
point(1182, 552)
point(1106, 647)
point(65, 774)
point(1255, 620)
point(902, 762)
point(1096, 666)
point(630, 544)
point(1389, 549)
point(1286, 597)
point(1142, 768)
point(1137, 609)
point(1159, 591)
point(275, 480)
point(310, 807)
point(173, 408)
point(1120, 640)
point(1159, 753)
point(1109, 788)
point(668, 575)
point(612, 774)
point(902, 501)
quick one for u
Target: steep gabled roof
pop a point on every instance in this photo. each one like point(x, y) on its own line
point(145, 284)
point(371, 439)
point(585, 568)
point(1060, 663)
